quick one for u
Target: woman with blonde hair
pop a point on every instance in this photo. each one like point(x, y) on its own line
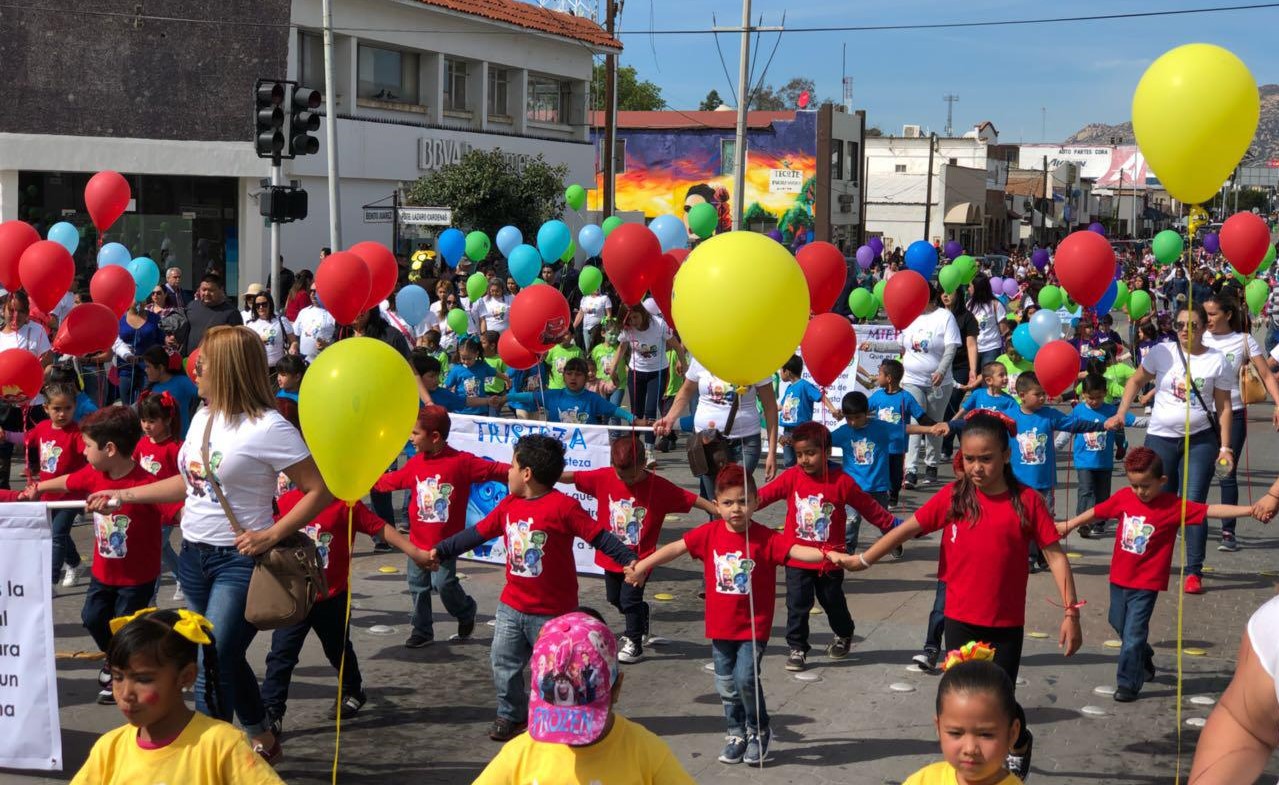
point(248, 443)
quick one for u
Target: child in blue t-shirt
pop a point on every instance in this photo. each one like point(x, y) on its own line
point(796, 405)
point(572, 403)
point(468, 376)
point(893, 405)
point(427, 367)
point(994, 396)
point(1095, 452)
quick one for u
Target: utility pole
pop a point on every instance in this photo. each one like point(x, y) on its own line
point(743, 105)
point(928, 198)
point(330, 130)
point(1048, 197)
point(950, 100)
point(610, 112)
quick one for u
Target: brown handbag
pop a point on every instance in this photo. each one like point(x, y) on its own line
point(287, 579)
point(1251, 389)
point(710, 450)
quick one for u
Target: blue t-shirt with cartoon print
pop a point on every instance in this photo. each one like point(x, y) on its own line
point(564, 405)
point(468, 381)
point(1034, 457)
point(865, 453)
point(982, 399)
point(895, 409)
point(1096, 449)
point(796, 406)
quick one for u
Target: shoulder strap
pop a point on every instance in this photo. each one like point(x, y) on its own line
point(215, 487)
point(1194, 387)
point(732, 414)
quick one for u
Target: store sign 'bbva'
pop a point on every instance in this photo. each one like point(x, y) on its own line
point(434, 153)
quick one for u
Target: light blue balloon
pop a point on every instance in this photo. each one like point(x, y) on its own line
point(1107, 300)
point(146, 276)
point(1024, 343)
point(671, 232)
point(413, 304)
point(508, 239)
point(921, 257)
point(524, 264)
point(552, 241)
point(590, 239)
point(114, 253)
point(1045, 327)
point(451, 244)
point(65, 235)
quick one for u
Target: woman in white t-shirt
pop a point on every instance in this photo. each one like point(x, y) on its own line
point(988, 312)
point(250, 444)
point(276, 332)
point(714, 400)
point(493, 311)
point(446, 300)
point(593, 310)
point(644, 341)
point(1208, 397)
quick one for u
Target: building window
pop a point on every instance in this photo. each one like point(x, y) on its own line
point(310, 60)
point(388, 75)
point(954, 161)
point(837, 160)
point(497, 106)
point(455, 86)
point(853, 162)
point(727, 156)
point(899, 168)
point(548, 100)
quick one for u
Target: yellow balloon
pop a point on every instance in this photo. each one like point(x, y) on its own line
point(357, 406)
point(1194, 113)
point(741, 304)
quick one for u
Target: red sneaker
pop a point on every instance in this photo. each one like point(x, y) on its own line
point(1194, 585)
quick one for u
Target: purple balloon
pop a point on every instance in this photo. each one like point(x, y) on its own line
point(996, 284)
point(774, 235)
point(1212, 243)
point(876, 245)
point(953, 249)
point(1011, 287)
point(865, 257)
point(1097, 228)
point(1040, 259)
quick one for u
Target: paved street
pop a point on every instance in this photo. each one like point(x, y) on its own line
point(428, 710)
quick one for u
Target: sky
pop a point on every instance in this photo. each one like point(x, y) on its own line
point(1079, 72)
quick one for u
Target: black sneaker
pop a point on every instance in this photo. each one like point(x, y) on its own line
point(1228, 542)
point(930, 474)
point(275, 724)
point(106, 697)
point(352, 702)
point(1034, 566)
point(465, 628)
point(894, 501)
point(503, 729)
point(926, 659)
point(1150, 669)
point(734, 749)
point(947, 457)
point(629, 650)
point(897, 553)
point(838, 648)
point(1125, 695)
point(417, 640)
point(1085, 531)
point(1018, 761)
point(909, 481)
point(795, 662)
point(104, 678)
point(382, 546)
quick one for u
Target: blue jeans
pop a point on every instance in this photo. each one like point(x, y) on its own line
point(646, 389)
point(788, 450)
point(1230, 483)
point(1094, 487)
point(513, 638)
point(745, 451)
point(328, 619)
point(616, 397)
point(855, 521)
point(1130, 611)
point(986, 358)
point(457, 602)
point(64, 550)
point(102, 603)
point(735, 666)
point(933, 400)
point(216, 583)
point(936, 619)
point(168, 556)
point(1203, 454)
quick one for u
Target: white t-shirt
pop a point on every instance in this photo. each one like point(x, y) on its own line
point(496, 312)
point(988, 318)
point(275, 333)
point(248, 456)
point(715, 398)
point(1168, 414)
point(594, 308)
point(1231, 346)
point(925, 341)
point(448, 338)
point(648, 347)
point(1263, 634)
point(64, 306)
point(32, 337)
point(313, 323)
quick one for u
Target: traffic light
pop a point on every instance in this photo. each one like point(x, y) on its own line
point(303, 120)
point(283, 204)
point(270, 138)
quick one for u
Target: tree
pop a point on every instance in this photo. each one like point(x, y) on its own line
point(874, 131)
point(487, 191)
point(790, 92)
point(766, 99)
point(711, 102)
point(633, 95)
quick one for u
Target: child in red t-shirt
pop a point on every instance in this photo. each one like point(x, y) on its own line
point(440, 478)
point(632, 503)
point(740, 559)
point(55, 447)
point(157, 454)
point(537, 525)
point(1148, 522)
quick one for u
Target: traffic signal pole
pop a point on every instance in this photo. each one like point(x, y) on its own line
point(277, 266)
point(331, 130)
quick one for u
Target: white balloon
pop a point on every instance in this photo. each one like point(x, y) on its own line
point(1045, 327)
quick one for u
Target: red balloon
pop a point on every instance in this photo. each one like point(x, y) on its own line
point(47, 270)
point(1085, 266)
point(824, 267)
point(106, 195)
point(663, 281)
point(539, 316)
point(828, 347)
point(1244, 239)
point(193, 360)
point(679, 254)
point(1057, 365)
point(21, 375)
point(630, 253)
point(114, 287)
point(343, 283)
point(15, 237)
point(513, 352)
point(383, 271)
point(89, 328)
point(905, 296)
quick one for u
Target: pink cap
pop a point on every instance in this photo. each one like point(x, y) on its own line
point(574, 668)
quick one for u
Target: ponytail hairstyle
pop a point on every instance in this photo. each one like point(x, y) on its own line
point(161, 406)
point(964, 505)
point(169, 637)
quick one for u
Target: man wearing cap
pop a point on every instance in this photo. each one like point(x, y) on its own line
point(573, 734)
point(211, 308)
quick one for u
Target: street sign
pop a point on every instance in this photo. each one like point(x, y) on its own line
point(426, 216)
point(378, 215)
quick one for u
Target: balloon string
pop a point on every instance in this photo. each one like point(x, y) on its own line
point(346, 633)
point(1185, 489)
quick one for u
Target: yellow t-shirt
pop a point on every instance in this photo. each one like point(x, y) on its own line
point(629, 755)
point(943, 774)
point(207, 751)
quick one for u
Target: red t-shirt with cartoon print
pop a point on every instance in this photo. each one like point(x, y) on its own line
point(1145, 537)
point(730, 567)
point(632, 513)
point(127, 539)
point(60, 451)
point(815, 513)
point(160, 460)
point(328, 530)
point(441, 485)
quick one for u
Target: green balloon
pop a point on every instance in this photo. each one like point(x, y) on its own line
point(575, 196)
point(1256, 293)
point(568, 254)
point(589, 279)
point(967, 267)
point(1269, 260)
point(878, 291)
point(1067, 303)
point(1240, 277)
point(1121, 294)
point(476, 286)
point(879, 303)
point(610, 223)
point(477, 246)
point(950, 277)
point(862, 303)
point(1138, 304)
point(1167, 246)
point(1050, 298)
point(457, 321)
point(703, 219)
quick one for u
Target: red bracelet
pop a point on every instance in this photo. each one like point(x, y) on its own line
point(1072, 607)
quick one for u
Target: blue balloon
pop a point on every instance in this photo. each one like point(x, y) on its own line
point(65, 235)
point(1024, 343)
point(508, 239)
point(552, 241)
point(146, 276)
point(671, 232)
point(451, 244)
point(921, 257)
point(114, 253)
point(1107, 300)
point(524, 264)
point(590, 239)
point(413, 304)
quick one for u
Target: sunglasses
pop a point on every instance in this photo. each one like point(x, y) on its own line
point(1184, 325)
point(199, 367)
point(261, 304)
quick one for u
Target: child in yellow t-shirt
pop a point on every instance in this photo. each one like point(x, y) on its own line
point(153, 656)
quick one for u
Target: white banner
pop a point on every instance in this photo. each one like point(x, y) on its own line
point(587, 447)
point(30, 734)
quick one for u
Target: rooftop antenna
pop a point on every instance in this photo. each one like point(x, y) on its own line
point(950, 100)
point(848, 83)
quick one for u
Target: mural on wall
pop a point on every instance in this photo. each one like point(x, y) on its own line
point(670, 170)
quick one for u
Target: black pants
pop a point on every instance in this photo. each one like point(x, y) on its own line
point(328, 619)
point(629, 601)
point(896, 473)
point(102, 603)
point(1007, 643)
point(802, 587)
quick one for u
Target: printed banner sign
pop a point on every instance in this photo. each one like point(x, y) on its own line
point(30, 735)
point(848, 380)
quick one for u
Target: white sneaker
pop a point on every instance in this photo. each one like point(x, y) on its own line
point(69, 575)
point(178, 596)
